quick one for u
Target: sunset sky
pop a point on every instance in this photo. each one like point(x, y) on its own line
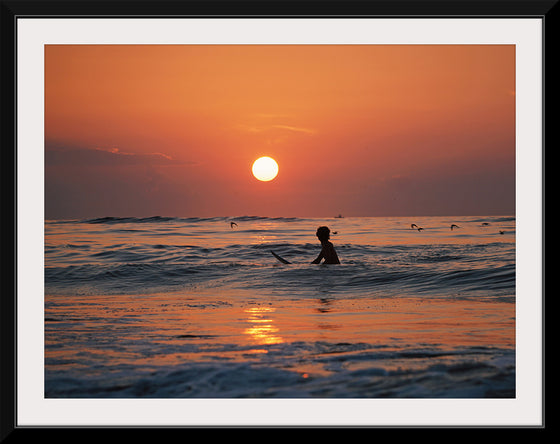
point(358, 130)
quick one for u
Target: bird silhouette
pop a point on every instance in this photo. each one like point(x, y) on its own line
point(454, 226)
point(231, 224)
point(413, 226)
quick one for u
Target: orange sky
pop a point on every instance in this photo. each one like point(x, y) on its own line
point(362, 130)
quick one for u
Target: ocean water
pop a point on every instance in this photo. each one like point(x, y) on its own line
point(166, 307)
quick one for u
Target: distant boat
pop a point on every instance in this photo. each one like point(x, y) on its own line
point(340, 216)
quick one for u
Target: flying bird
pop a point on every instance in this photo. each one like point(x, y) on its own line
point(231, 224)
point(454, 226)
point(413, 226)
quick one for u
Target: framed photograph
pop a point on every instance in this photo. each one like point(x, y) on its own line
point(269, 215)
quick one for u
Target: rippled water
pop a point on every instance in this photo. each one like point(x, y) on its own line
point(378, 255)
point(199, 307)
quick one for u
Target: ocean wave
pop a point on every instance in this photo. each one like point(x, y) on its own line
point(305, 280)
point(350, 370)
point(163, 219)
point(490, 219)
point(105, 256)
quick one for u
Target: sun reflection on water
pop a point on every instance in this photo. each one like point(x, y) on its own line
point(262, 330)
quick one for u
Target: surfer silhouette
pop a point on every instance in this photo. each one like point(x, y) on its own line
point(327, 249)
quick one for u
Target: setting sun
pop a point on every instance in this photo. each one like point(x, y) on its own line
point(265, 168)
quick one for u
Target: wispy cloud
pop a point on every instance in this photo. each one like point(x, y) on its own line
point(264, 128)
point(57, 156)
point(294, 129)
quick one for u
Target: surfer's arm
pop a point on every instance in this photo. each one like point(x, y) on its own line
point(318, 260)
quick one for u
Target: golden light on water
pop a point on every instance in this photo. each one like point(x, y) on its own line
point(262, 330)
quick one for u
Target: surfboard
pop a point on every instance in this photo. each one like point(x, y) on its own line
point(281, 259)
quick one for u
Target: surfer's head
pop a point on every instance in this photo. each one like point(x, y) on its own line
point(323, 233)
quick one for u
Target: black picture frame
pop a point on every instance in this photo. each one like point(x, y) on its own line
point(11, 11)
